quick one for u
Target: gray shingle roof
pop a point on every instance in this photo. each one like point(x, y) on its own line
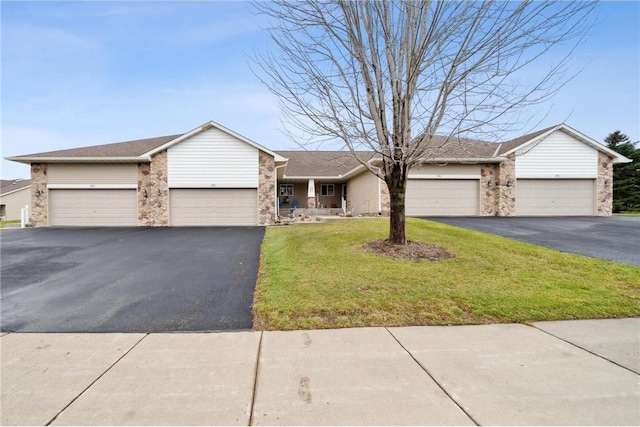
point(9, 185)
point(307, 163)
point(510, 145)
point(119, 149)
point(459, 148)
point(322, 163)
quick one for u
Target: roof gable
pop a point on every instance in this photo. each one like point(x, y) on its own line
point(208, 125)
point(534, 138)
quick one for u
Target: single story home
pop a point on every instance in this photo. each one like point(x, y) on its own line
point(212, 175)
point(15, 194)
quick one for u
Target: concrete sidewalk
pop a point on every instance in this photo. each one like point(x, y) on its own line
point(558, 373)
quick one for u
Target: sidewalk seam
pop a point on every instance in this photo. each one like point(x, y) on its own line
point(94, 381)
point(582, 348)
point(433, 378)
point(255, 380)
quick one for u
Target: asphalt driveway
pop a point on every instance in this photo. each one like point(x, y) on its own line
point(128, 279)
point(610, 238)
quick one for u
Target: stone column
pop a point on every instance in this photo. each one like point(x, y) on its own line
point(507, 187)
point(488, 189)
point(604, 184)
point(39, 195)
point(266, 189)
point(153, 192)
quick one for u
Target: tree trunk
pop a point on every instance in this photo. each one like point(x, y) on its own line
point(397, 183)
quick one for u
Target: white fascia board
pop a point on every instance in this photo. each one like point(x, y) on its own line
point(313, 177)
point(29, 160)
point(557, 176)
point(210, 186)
point(465, 161)
point(92, 186)
point(442, 176)
point(16, 190)
point(209, 125)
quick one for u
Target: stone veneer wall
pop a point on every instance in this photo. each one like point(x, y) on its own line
point(604, 185)
point(489, 189)
point(311, 202)
point(506, 192)
point(266, 189)
point(153, 210)
point(39, 204)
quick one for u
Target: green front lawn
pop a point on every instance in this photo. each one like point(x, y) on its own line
point(318, 276)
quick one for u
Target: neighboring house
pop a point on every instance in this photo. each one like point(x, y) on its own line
point(214, 176)
point(14, 195)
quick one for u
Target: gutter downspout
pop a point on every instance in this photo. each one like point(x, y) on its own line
point(277, 198)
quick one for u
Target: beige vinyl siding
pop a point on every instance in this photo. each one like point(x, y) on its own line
point(557, 156)
point(434, 171)
point(327, 201)
point(299, 193)
point(445, 197)
point(92, 174)
point(212, 158)
point(555, 197)
point(213, 207)
point(105, 208)
point(363, 194)
point(14, 202)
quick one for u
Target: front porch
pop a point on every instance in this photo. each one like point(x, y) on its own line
point(311, 211)
point(310, 197)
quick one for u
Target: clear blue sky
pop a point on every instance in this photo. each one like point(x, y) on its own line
point(87, 73)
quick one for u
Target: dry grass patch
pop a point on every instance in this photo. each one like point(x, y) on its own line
point(415, 251)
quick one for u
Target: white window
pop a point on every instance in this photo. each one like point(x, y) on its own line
point(327, 190)
point(286, 189)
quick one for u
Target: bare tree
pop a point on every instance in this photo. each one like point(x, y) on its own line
point(388, 76)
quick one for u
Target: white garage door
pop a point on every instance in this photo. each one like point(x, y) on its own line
point(446, 197)
point(555, 197)
point(211, 207)
point(105, 208)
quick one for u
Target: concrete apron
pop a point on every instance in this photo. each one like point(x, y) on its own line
point(553, 373)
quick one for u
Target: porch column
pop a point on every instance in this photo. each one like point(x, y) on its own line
point(311, 194)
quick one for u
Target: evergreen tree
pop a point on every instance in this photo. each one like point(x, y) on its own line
point(626, 176)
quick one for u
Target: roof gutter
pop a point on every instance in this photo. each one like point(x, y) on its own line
point(15, 190)
point(465, 161)
point(29, 160)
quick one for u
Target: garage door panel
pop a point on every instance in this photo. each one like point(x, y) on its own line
point(104, 208)
point(213, 207)
point(427, 197)
point(555, 197)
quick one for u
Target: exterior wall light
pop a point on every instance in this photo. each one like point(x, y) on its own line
point(38, 192)
point(509, 183)
point(144, 193)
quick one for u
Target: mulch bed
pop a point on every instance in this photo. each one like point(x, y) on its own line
point(415, 251)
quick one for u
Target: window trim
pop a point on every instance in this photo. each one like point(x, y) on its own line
point(327, 187)
point(284, 190)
